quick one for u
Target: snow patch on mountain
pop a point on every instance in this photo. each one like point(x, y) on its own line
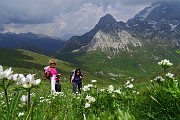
point(148, 11)
point(173, 26)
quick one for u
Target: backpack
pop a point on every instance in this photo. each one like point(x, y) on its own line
point(46, 72)
point(71, 74)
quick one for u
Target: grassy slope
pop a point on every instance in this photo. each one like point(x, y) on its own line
point(26, 62)
point(140, 63)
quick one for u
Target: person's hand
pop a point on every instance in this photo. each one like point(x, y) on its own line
point(59, 75)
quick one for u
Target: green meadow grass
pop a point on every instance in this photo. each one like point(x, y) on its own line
point(146, 100)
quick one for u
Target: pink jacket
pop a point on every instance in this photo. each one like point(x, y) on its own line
point(53, 72)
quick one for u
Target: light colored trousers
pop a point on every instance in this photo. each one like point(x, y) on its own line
point(53, 82)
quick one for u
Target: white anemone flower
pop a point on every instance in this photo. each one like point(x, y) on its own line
point(21, 76)
point(20, 114)
point(170, 75)
point(1, 72)
point(110, 89)
point(102, 90)
point(10, 76)
point(24, 98)
point(159, 79)
point(93, 81)
point(130, 86)
point(5, 74)
point(15, 77)
point(92, 99)
point(165, 62)
point(37, 82)
point(28, 81)
point(128, 82)
point(87, 97)
point(118, 91)
point(1, 68)
point(86, 88)
point(90, 85)
point(30, 78)
point(87, 105)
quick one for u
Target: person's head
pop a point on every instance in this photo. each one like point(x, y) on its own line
point(52, 63)
point(77, 72)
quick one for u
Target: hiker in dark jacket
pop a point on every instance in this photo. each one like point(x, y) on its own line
point(76, 80)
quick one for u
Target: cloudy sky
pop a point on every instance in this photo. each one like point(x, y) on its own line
point(59, 17)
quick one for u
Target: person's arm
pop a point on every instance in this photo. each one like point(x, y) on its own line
point(72, 78)
point(59, 75)
point(81, 76)
point(48, 72)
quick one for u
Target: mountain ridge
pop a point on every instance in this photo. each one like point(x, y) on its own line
point(30, 41)
point(149, 24)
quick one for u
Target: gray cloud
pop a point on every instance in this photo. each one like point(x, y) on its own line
point(44, 11)
point(141, 2)
point(1, 28)
point(31, 12)
point(58, 17)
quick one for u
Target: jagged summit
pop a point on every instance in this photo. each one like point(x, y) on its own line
point(106, 20)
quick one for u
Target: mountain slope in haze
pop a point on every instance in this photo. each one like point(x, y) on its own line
point(30, 41)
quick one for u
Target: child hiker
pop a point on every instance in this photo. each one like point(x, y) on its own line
point(53, 75)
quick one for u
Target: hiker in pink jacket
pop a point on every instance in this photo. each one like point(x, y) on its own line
point(53, 75)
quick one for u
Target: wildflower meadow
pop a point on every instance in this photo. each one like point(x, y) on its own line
point(159, 98)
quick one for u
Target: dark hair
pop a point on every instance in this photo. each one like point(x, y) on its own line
point(77, 70)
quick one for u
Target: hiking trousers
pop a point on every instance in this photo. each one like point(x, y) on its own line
point(55, 86)
point(58, 86)
point(75, 87)
point(53, 82)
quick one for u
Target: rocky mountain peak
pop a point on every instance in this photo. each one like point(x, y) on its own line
point(113, 41)
point(106, 20)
